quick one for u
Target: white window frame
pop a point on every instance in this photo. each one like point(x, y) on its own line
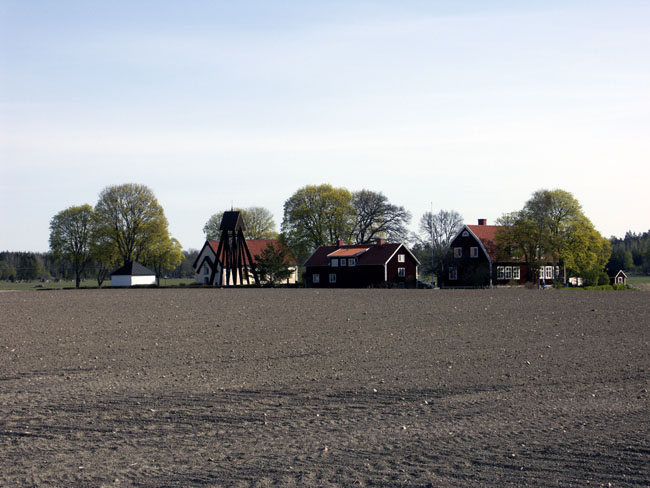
point(501, 275)
point(465, 233)
point(508, 273)
point(401, 258)
point(458, 252)
point(315, 278)
point(548, 273)
point(473, 252)
point(401, 272)
point(516, 273)
point(453, 273)
point(343, 262)
point(332, 277)
point(352, 262)
point(334, 263)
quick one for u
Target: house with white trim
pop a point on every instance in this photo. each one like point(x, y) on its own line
point(361, 266)
point(475, 262)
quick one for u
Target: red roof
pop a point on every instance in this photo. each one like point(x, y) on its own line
point(376, 254)
point(256, 246)
point(345, 252)
point(486, 234)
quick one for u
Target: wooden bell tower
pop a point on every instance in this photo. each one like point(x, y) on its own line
point(233, 255)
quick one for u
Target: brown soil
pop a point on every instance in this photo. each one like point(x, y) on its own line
point(200, 387)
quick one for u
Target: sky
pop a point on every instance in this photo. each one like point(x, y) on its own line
point(469, 106)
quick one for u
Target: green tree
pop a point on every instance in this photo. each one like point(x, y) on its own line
point(376, 217)
point(105, 255)
point(273, 265)
point(166, 254)
point(131, 217)
point(317, 215)
point(7, 271)
point(552, 227)
point(70, 237)
point(258, 220)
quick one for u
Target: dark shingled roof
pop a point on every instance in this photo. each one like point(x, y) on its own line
point(377, 254)
point(133, 268)
point(232, 220)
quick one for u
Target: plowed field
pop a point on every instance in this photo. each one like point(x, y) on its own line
point(200, 387)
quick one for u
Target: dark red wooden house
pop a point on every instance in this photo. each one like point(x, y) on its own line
point(361, 266)
point(475, 262)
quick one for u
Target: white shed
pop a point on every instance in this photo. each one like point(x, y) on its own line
point(132, 274)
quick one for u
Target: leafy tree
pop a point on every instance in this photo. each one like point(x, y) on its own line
point(437, 230)
point(70, 237)
point(106, 257)
point(166, 254)
point(375, 217)
point(273, 264)
point(7, 271)
point(130, 216)
point(258, 220)
point(317, 215)
point(551, 226)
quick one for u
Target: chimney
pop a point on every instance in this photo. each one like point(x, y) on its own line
point(482, 221)
point(339, 243)
point(381, 242)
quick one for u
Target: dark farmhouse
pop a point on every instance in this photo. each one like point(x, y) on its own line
point(475, 263)
point(361, 266)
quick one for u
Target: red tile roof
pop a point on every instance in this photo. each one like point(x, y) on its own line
point(256, 246)
point(376, 254)
point(345, 252)
point(486, 234)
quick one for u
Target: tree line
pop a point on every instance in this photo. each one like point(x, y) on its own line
point(128, 224)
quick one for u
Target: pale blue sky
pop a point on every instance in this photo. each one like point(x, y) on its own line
point(469, 106)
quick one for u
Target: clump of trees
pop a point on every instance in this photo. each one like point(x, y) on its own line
point(318, 215)
point(552, 227)
point(127, 224)
point(632, 253)
point(23, 266)
point(258, 220)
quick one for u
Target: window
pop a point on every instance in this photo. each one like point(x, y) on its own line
point(344, 262)
point(453, 273)
point(315, 278)
point(332, 277)
point(508, 272)
point(458, 252)
point(500, 272)
point(352, 262)
point(465, 234)
point(516, 273)
point(548, 273)
point(400, 258)
point(473, 252)
point(334, 262)
point(401, 272)
point(205, 269)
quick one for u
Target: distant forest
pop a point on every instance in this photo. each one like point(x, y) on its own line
point(631, 254)
point(29, 266)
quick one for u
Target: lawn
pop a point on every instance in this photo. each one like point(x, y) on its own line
point(58, 285)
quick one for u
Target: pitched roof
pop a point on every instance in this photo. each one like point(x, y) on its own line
point(133, 268)
point(255, 246)
point(232, 220)
point(351, 252)
point(375, 254)
point(486, 234)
